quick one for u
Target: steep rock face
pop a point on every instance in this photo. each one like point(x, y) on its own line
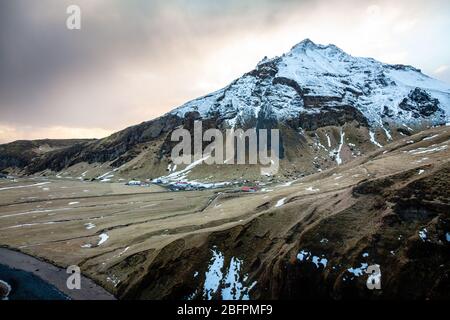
point(21, 153)
point(117, 148)
point(421, 104)
point(331, 117)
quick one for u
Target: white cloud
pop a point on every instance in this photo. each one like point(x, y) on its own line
point(9, 133)
point(441, 69)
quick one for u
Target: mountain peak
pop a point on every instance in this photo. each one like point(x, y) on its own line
point(309, 45)
point(306, 43)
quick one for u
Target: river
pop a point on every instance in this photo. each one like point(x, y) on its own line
point(26, 286)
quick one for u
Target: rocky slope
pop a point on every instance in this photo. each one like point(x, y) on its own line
point(330, 108)
point(19, 154)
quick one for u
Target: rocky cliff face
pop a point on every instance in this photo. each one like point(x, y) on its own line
point(20, 154)
point(329, 105)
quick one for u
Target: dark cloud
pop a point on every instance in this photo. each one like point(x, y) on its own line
point(37, 51)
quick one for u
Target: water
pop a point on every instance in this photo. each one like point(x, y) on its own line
point(27, 286)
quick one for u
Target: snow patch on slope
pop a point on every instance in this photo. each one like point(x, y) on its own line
point(233, 284)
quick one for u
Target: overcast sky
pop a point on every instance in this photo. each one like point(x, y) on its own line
point(134, 60)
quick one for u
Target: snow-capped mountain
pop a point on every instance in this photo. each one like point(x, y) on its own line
point(312, 78)
point(330, 107)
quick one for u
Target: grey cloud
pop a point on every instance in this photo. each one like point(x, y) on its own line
point(37, 51)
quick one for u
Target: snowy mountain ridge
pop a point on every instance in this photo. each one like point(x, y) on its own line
point(311, 77)
point(329, 107)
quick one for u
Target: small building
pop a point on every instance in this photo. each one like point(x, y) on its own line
point(134, 183)
point(249, 189)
